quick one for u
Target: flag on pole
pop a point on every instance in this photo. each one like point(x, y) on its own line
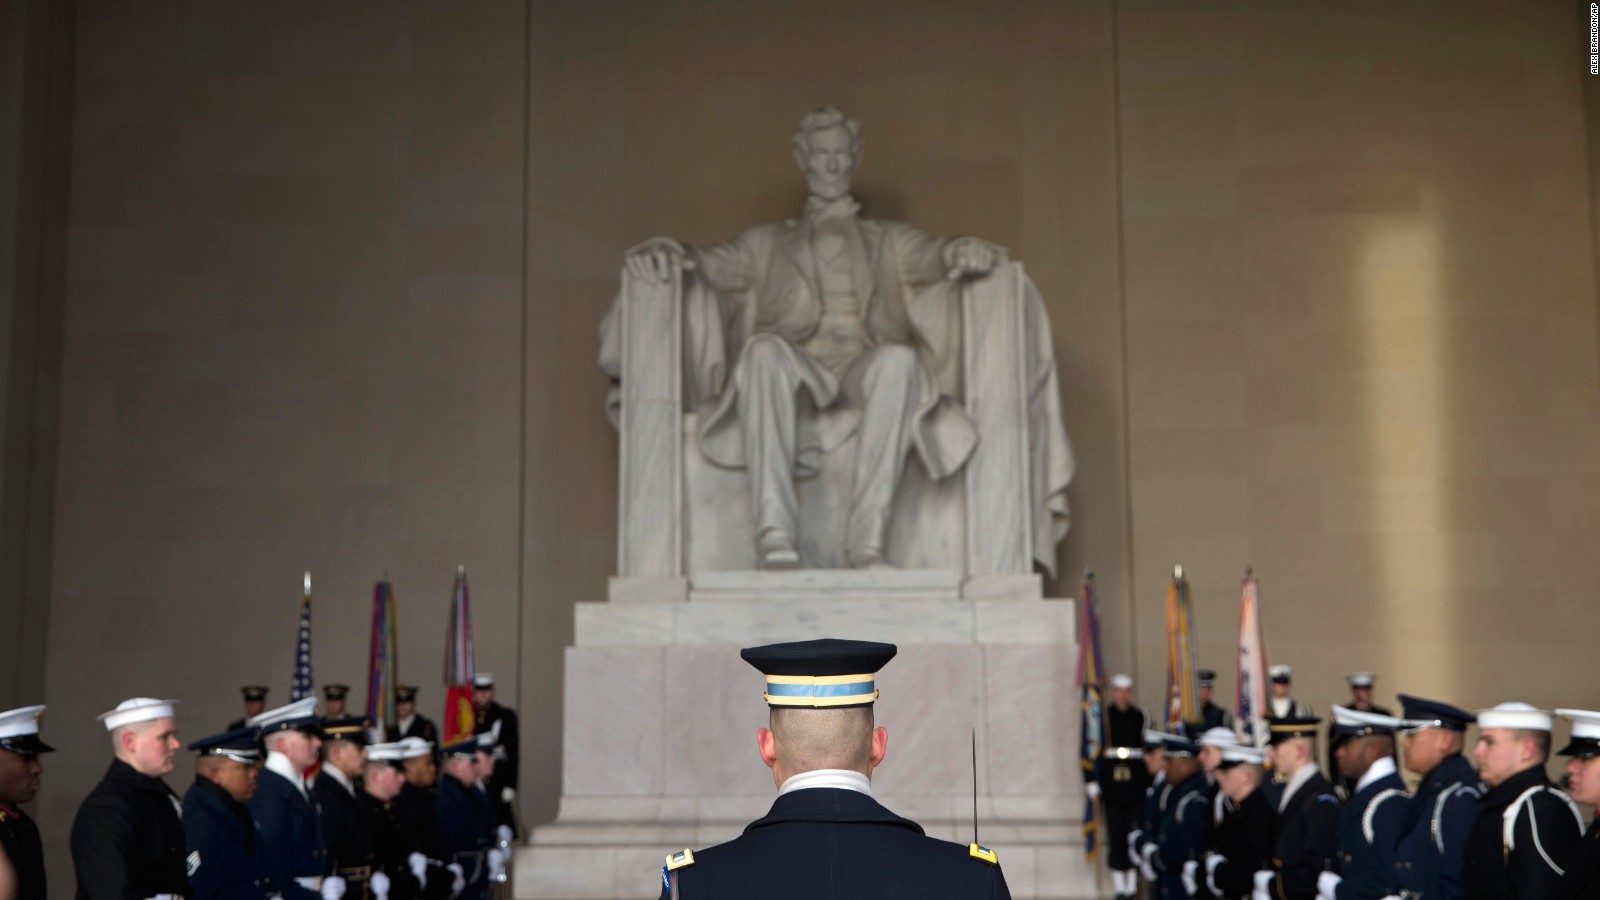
point(459, 718)
point(1091, 680)
point(382, 659)
point(1183, 699)
point(1251, 712)
point(300, 684)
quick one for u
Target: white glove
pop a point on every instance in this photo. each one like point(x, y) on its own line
point(1327, 884)
point(508, 794)
point(503, 832)
point(1263, 879)
point(332, 887)
point(1093, 790)
point(379, 883)
point(495, 859)
point(1134, 837)
point(1190, 886)
point(1213, 860)
point(418, 864)
point(1147, 866)
point(460, 882)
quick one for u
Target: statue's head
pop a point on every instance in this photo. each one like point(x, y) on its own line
point(828, 148)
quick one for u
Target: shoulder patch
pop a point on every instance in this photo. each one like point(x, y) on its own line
point(984, 853)
point(1329, 798)
point(679, 860)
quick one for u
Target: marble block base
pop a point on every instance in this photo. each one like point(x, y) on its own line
point(661, 716)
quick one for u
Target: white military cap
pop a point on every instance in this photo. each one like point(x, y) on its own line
point(1218, 737)
point(1515, 715)
point(1120, 680)
point(390, 752)
point(137, 709)
point(483, 680)
point(1360, 679)
point(1359, 723)
point(1585, 737)
point(19, 731)
point(1241, 754)
point(1280, 672)
point(414, 747)
point(301, 715)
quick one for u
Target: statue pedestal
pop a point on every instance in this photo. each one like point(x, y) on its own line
point(661, 717)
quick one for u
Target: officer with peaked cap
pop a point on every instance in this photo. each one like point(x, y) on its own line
point(1433, 833)
point(466, 817)
point(408, 722)
point(1242, 844)
point(1173, 855)
point(1211, 715)
point(1308, 814)
point(826, 836)
point(1279, 704)
point(337, 790)
point(399, 870)
point(490, 754)
point(20, 772)
point(1213, 741)
point(334, 700)
point(255, 700)
point(503, 786)
point(1361, 701)
point(1527, 831)
point(292, 852)
point(127, 839)
point(1370, 825)
point(1155, 803)
point(218, 826)
point(419, 824)
point(1119, 780)
point(1582, 877)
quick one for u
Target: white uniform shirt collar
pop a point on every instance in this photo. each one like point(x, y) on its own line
point(827, 778)
point(277, 762)
point(1281, 706)
point(1300, 777)
point(338, 777)
point(1383, 766)
point(405, 722)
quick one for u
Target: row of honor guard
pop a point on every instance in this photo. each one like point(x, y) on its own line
point(1202, 815)
point(376, 820)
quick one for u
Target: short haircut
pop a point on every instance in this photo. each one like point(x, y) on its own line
point(809, 739)
point(1541, 741)
point(821, 119)
point(130, 728)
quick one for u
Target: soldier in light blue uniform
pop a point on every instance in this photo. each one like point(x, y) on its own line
point(1173, 855)
point(1369, 827)
point(292, 853)
point(1427, 860)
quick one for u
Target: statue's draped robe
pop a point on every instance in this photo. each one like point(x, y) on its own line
point(765, 281)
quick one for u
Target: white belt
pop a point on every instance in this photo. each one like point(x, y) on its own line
point(167, 897)
point(310, 884)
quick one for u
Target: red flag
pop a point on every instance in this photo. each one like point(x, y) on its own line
point(459, 718)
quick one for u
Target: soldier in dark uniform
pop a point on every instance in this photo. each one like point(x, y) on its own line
point(419, 823)
point(1119, 781)
point(255, 700)
point(503, 787)
point(1213, 741)
point(1433, 835)
point(1581, 881)
point(1280, 703)
point(399, 870)
point(218, 826)
point(20, 772)
point(1527, 831)
point(1361, 701)
point(825, 835)
point(408, 722)
point(335, 698)
point(1211, 715)
point(1155, 803)
point(336, 789)
point(1308, 813)
point(127, 839)
point(292, 853)
point(1174, 853)
point(1370, 825)
point(1243, 842)
point(466, 817)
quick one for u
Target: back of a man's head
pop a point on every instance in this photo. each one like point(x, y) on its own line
point(809, 739)
point(1541, 742)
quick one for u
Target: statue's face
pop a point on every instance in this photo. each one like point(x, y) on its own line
point(828, 162)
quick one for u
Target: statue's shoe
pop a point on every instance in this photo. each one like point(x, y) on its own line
point(868, 558)
point(776, 551)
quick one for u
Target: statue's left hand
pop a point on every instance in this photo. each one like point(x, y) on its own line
point(970, 257)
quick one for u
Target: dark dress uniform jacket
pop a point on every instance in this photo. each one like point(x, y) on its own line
point(1369, 829)
point(467, 823)
point(291, 836)
point(222, 845)
point(20, 838)
point(1582, 879)
point(505, 770)
point(344, 829)
point(1304, 847)
point(127, 839)
point(419, 823)
point(1244, 840)
point(1544, 837)
point(391, 854)
point(836, 844)
point(1180, 835)
point(421, 727)
point(1433, 836)
point(1123, 780)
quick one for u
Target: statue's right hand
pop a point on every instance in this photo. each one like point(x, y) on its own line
point(653, 260)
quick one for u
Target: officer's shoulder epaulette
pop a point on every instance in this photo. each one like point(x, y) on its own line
point(978, 851)
point(679, 860)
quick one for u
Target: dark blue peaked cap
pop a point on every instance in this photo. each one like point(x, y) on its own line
point(243, 744)
point(827, 673)
point(1421, 713)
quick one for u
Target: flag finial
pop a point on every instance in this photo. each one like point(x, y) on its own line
point(1177, 573)
point(308, 584)
point(461, 571)
point(1249, 571)
point(1088, 574)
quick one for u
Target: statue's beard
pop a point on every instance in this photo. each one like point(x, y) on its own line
point(828, 187)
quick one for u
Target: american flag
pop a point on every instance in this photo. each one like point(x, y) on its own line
point(301, 687)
